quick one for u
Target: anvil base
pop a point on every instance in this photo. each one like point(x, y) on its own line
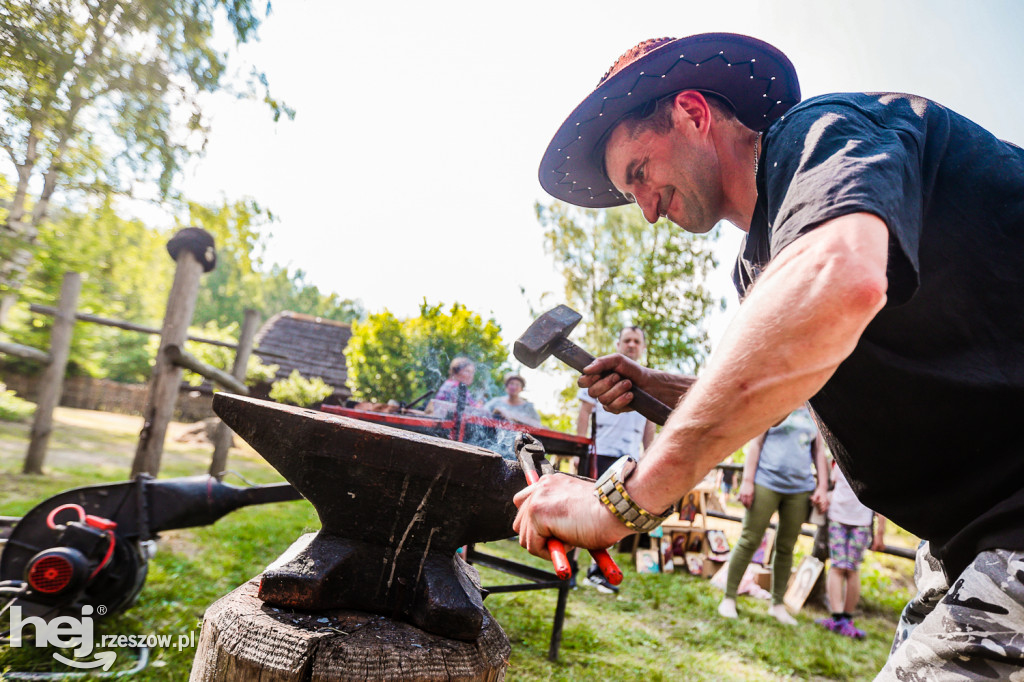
point(436, 591)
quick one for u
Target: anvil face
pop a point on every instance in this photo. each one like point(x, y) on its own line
point(394, 506)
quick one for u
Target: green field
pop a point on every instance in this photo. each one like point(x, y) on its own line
point(660, 627)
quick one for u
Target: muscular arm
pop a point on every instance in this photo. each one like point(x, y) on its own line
point(799, 322)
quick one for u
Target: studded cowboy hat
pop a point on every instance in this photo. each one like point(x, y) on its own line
point(755, 78)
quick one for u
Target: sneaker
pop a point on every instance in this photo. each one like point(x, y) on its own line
point(846, 628)
point(596, 579)
point(842, 626)
point(827, 623)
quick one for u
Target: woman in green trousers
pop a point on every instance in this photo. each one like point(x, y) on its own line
point(778, 476)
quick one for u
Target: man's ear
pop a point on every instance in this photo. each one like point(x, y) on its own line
point(691, 108)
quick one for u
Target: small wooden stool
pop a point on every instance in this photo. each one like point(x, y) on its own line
point(245, 639)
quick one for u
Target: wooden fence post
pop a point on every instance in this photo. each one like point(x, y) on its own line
point(193, 250)
point(223, 436)
point(52, 382)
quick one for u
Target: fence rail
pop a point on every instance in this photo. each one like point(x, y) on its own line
point(26, 352)
point(133, 327)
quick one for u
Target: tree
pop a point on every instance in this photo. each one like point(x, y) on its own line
point(125, 275)
point(300, 391)
point(393, 359)
point(619, 270)
point(380, 360)
point(96, 94)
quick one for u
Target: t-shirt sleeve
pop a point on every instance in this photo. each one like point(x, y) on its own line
point(828, 161)
point(585, 397)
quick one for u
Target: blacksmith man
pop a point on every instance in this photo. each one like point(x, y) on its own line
point(882, 279)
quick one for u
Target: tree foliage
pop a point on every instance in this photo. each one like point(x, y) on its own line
point(393, 359)
point(13, 408)
point(127, 275)
point(300, 391)
point(98, 94)
point(619, 270)
point(124, 267)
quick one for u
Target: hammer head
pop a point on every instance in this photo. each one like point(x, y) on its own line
point(537, 342)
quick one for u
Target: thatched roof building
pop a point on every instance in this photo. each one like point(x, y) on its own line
point(312, 345)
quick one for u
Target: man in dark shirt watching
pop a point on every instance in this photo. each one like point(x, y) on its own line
point(882, 277)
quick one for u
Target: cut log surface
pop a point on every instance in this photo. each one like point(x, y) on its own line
point(244, 639)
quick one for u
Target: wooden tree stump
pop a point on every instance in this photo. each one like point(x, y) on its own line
point(245, 639)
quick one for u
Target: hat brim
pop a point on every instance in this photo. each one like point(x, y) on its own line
point(754, 77)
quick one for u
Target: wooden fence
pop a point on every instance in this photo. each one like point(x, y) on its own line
point(112, 396)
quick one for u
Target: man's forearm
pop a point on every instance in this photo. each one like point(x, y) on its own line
point(667, 387)
point(800, 321)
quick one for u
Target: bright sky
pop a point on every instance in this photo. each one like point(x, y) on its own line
point(410, 169)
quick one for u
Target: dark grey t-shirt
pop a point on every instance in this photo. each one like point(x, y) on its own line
point(922, 417)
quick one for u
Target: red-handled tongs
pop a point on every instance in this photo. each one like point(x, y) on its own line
point(528, 450)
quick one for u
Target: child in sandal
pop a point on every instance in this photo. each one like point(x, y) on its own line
point(849, 533)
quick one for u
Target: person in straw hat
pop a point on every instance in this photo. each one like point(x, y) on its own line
point(881, 278)
point(513, 406)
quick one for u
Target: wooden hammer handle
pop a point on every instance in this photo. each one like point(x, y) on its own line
point(643, 402)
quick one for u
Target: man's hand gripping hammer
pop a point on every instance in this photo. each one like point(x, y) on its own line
point(528, 450)
point(547, 336)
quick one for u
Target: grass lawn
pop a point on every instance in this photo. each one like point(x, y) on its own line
point(659, 627)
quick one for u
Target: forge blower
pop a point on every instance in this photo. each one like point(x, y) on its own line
point(92, 545)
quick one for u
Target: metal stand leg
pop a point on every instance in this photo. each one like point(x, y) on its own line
point(556, 626)
point(563, 599)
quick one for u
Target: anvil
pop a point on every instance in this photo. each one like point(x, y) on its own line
point(394, 507)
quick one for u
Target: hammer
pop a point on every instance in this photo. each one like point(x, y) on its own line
point(548, 336)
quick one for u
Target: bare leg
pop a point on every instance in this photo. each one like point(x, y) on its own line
point(836, 576)
point(852, 590)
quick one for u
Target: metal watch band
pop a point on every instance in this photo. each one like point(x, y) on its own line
point(612, 493)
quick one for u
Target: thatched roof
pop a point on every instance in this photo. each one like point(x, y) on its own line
point(312, 345)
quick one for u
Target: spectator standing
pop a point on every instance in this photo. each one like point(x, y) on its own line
point(849, 533)
point(777, 477)
point(615, 435)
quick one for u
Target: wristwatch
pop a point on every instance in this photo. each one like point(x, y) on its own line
point(610, 488)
